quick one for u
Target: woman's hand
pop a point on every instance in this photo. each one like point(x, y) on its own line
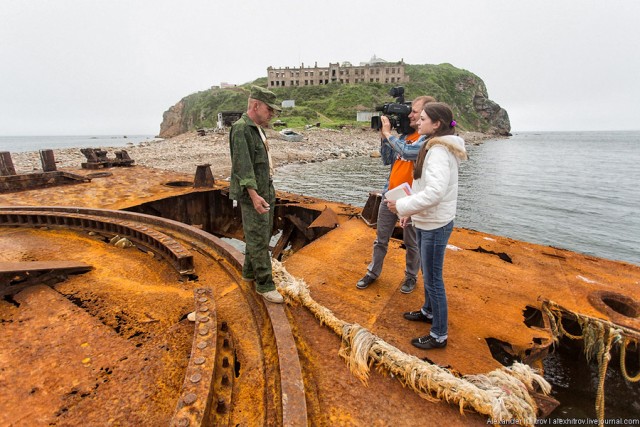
point(391, 204)
point(405, 221)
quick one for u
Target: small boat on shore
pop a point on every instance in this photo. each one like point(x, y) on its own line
point(290, 135)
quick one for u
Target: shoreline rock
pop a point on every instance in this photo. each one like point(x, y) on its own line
point(183, 153)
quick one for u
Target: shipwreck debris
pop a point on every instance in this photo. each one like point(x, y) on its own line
point(97, 159)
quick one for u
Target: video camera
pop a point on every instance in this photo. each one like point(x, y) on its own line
point(397, 112)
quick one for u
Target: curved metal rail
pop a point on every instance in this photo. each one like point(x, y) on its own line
point(158, 242)
point(195, 404)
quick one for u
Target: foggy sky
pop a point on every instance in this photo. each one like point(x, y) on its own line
point(72, 67)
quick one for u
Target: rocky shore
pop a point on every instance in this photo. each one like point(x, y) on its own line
point(185, 152)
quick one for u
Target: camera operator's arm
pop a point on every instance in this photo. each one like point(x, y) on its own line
point(398, 144)
point(387, 153)
point(406, 151)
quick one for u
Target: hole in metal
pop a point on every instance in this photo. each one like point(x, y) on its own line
point(533, 317)
point(179, 184)
point(615, 304)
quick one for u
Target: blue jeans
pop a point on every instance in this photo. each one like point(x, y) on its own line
point(432, 245)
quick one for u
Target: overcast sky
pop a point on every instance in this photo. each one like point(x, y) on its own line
point(83, 67)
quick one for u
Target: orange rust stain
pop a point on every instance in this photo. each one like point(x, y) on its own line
point(487, 296)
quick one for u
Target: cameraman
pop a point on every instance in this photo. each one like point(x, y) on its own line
point(408, 145)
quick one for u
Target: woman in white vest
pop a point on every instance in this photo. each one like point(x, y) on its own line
point(432, 208)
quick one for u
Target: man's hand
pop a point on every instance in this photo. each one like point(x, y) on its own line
point(259, 204)
point(385, 128)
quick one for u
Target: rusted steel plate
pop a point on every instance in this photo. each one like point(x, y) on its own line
point(292, 385)
point(26, 266)
point(327, 219)
point(294, 410)
point(194, 404)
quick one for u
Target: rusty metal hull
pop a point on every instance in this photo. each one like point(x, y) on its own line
point(112, 345)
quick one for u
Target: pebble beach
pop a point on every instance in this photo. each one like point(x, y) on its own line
point(185, 152)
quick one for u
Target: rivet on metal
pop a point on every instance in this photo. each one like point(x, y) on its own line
point(221, 408)
point(203, 299)
point(183, 422)
point(204, 308)
point(199, 360)
point(202, 345)
point(203, 319)
point(201, 291)
point(196, 377)
point(190, 398)
point(204, 330)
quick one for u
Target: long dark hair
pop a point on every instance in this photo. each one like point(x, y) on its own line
point(437, 112)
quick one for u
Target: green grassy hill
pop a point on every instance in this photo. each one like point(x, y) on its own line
point(335, 104)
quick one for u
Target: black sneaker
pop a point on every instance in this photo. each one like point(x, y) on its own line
point(428, 342)
point(408, 285)
point(365, 282)
point(417, 316)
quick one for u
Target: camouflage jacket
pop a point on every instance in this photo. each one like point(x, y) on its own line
point(249, 160)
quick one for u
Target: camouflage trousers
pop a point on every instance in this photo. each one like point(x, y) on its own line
point(257, 235)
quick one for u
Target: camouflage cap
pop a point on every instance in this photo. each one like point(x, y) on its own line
point(266, 96)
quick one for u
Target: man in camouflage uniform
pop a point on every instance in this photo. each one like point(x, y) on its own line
point(252, 186)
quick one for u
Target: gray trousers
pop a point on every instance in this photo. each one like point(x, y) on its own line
point(386, 223)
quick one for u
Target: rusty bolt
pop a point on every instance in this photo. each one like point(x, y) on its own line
point(221, 408)
point(190, 398)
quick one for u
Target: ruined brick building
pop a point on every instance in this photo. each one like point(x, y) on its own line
point(376, 70)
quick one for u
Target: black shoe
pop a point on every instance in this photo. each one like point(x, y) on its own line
point(417, 316)
point(408, 285)
point(428, 342)
point(365, 282)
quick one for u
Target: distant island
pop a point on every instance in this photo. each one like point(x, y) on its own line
point(336, 104)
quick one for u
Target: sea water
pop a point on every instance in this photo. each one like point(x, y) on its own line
point(19, 144)
point(572, 190)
